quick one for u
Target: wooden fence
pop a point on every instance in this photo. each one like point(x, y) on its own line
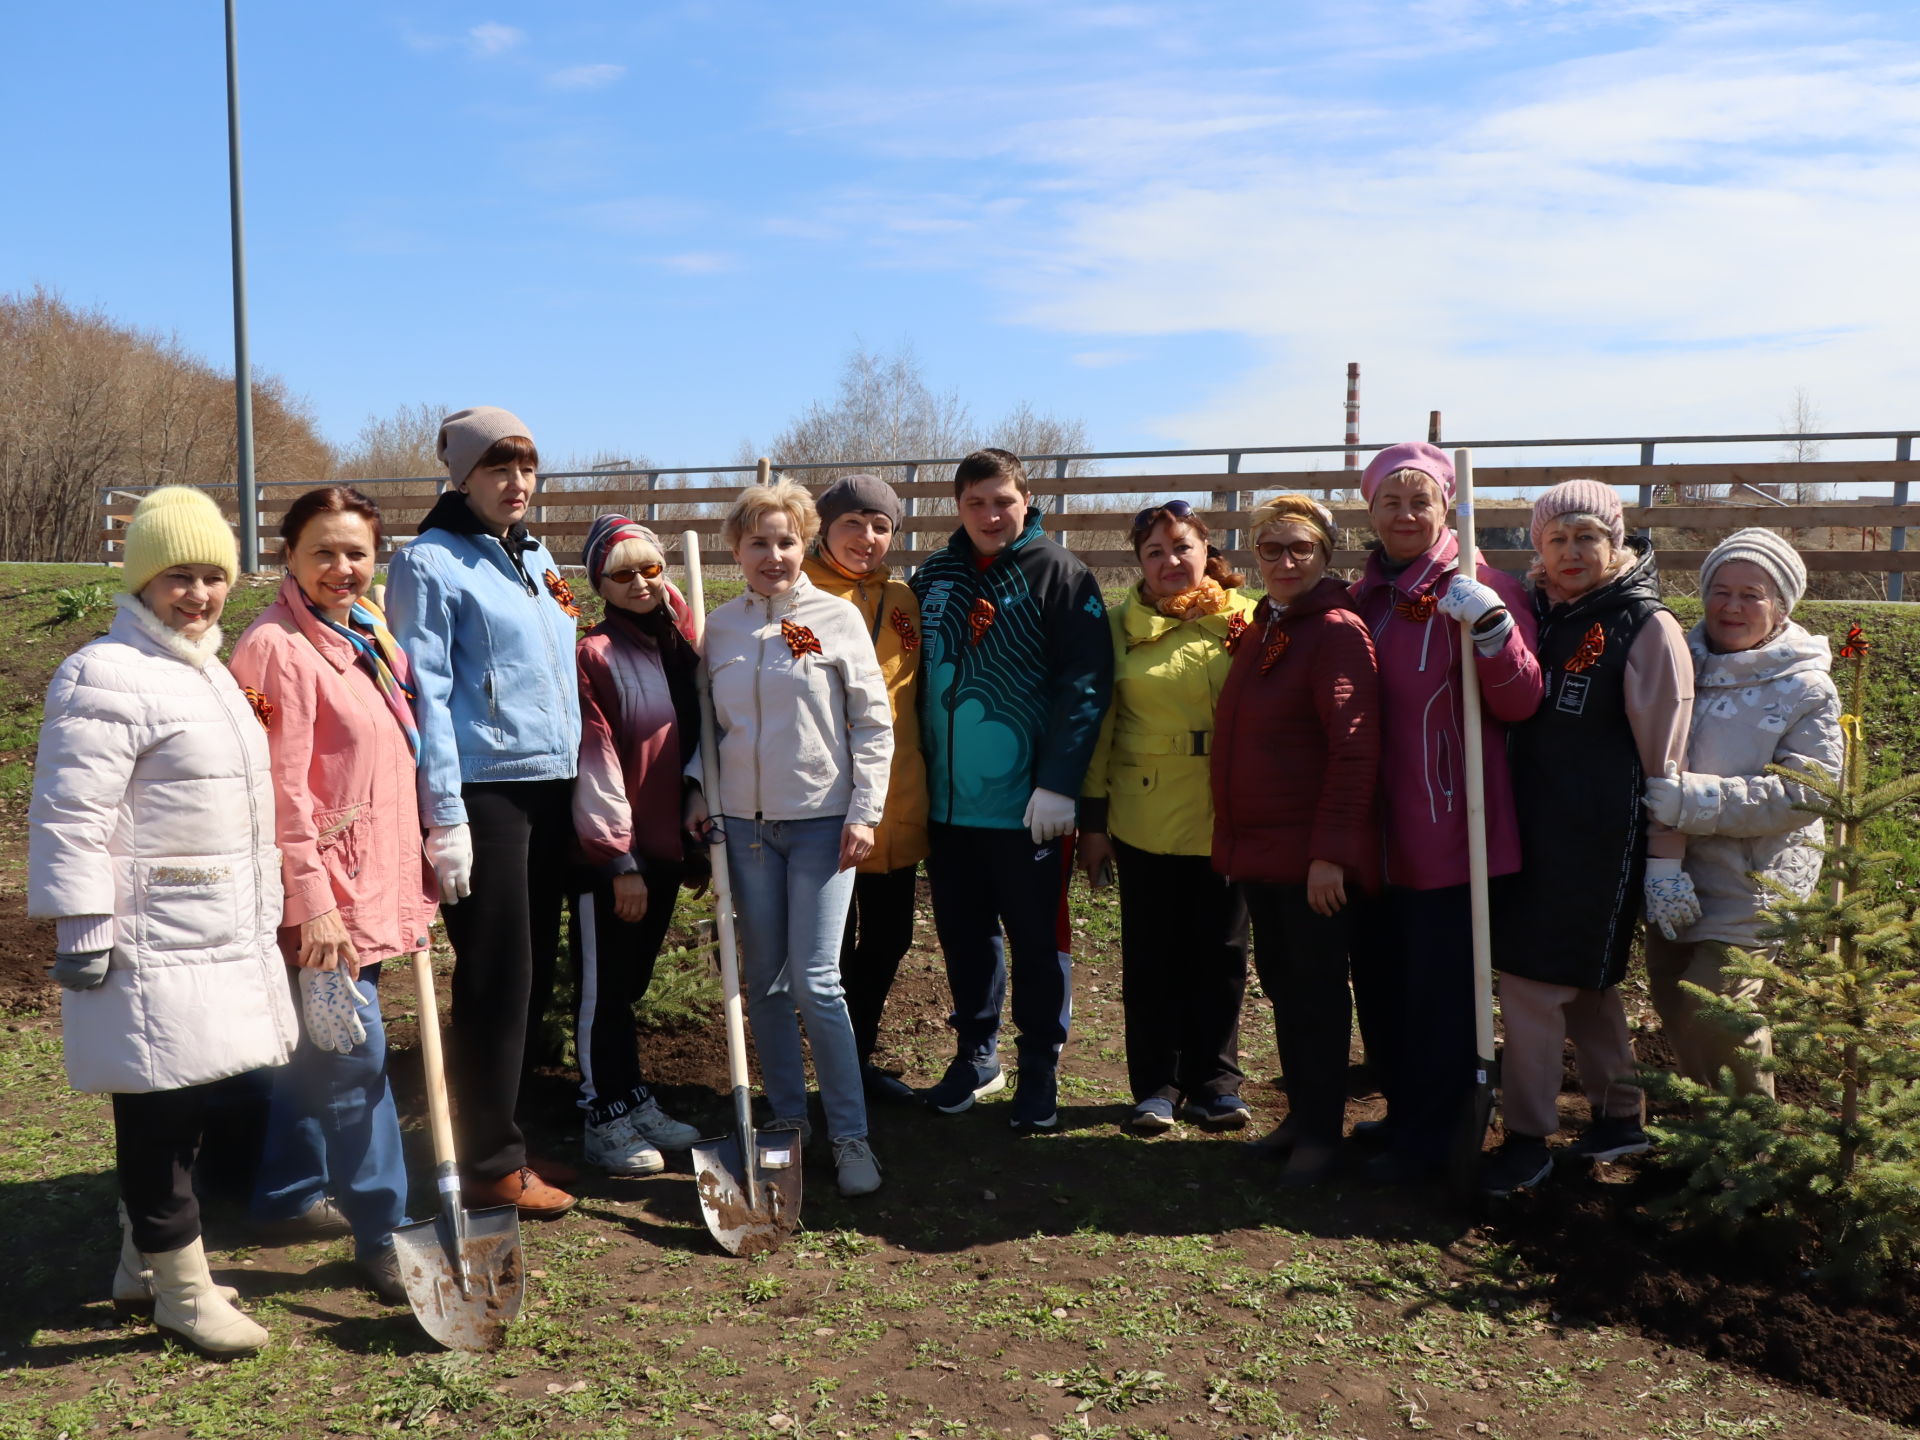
point(1092, 513)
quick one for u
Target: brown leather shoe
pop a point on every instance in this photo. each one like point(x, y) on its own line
point(535, 1198)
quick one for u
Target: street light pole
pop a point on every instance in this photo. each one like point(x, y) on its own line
point(242, 366)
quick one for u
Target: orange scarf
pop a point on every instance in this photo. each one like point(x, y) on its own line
point(1206, 598)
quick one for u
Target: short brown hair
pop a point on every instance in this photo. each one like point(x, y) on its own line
point(1218, 570)
point(513, 450)
point(328, 499)
point(990, 464)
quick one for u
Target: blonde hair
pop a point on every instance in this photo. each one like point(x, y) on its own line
point(758, 501)
point(1295, 510)
point(631, 554)
point(1623, 556)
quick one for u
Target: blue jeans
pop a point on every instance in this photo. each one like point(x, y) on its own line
point(791, 900)
point(332, 1129)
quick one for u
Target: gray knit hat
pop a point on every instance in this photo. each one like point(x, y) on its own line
point(859, 492)
point(1767, 550)
point(468, 434)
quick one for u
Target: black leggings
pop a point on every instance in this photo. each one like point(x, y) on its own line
point(612, 967)
point(879, 934)
point(501, 934)
point(155, 1138)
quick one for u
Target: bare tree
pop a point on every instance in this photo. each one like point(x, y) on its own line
point(402, 444)
point(1803, 418)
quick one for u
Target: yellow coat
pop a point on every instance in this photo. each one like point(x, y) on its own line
point(892, 617)
point(1151, 764)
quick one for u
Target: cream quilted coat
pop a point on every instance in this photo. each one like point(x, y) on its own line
point(153, 802)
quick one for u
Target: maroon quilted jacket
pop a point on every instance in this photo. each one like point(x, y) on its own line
point(1296, 745)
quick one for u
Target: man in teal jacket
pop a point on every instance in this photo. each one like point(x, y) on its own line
point(1018, 672)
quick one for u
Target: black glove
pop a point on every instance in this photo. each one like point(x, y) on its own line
point(84, 971)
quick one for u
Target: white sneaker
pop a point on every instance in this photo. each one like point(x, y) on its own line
point(854, 1166)
point(617, 1148)
point(660, 1129)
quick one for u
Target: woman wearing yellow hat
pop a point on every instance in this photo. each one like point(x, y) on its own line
point(152, 849)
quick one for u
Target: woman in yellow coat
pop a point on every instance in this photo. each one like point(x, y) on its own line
point(1147, 808)
point(859, 517)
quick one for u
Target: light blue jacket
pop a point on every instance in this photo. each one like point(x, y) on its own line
point(495, 693)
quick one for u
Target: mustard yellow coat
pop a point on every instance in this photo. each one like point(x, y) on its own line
point(1151, 763)
point(892, 617)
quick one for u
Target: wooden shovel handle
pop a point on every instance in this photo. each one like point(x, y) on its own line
point(438, 1110)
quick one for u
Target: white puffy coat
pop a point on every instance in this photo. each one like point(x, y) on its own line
point(1772, 705)
point(153, 802)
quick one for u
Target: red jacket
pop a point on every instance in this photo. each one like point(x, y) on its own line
point(1296, 745)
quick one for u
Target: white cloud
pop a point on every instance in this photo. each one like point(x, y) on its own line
point(492, 38)
point(585, 77)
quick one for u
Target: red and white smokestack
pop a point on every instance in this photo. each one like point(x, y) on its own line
point(1353, 413)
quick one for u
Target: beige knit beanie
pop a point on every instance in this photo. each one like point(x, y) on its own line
point(1767, 550)
point(468, 434)
point(1579, 497)
point(177, 525)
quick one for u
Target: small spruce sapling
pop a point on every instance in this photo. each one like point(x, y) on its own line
point(1834, 1170)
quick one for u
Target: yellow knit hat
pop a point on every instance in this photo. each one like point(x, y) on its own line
point(177, 525)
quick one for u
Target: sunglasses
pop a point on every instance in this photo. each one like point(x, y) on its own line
point(1175, 509)
point(1300, 551)
point(625, 577)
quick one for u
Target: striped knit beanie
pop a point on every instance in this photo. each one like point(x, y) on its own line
point(1579, 497)
point(1429, 460)
point(176, 525)
point(1767, 550)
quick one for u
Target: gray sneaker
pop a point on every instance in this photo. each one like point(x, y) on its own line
point(619, 1149)
point(854, 1166)
point(321, 1220)
point(381, 1272)
point(660, 1129)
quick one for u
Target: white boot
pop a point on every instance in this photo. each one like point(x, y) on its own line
point(187, 1302)
point(133, 1282)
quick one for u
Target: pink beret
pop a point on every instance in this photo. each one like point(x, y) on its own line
point(1429, 460)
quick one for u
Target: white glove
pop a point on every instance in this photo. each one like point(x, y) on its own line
point(1671, 901)
point(450, 852)
point(1664, 797)
point(1049, 815)
point(330, 1001)
point(1483, 610)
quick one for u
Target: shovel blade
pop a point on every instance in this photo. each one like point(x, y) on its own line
point(476, 1320)
point(742, 1227)
point(1464, 1158)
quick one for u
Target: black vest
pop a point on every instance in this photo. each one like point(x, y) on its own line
point(1578, 791)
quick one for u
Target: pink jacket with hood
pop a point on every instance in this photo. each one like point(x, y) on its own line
point(344, 784)
point(1423, 745)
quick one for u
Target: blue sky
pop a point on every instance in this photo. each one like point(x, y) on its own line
point(660, 227)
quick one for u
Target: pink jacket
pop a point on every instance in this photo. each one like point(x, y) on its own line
point(1422, 778)
point(348, 818)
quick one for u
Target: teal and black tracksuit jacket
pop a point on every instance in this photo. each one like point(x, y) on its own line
point(1016, 676)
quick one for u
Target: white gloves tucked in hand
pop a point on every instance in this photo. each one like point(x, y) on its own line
point(1671, 901)
point(1481, 607)
point(330, 1001)
point(450, 852)
point(1049, 815)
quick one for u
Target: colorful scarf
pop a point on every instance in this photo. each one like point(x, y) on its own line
point(380, 655)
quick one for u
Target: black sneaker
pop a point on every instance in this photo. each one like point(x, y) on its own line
point(321, 1220)
point(1609, 1138)
point(1520, 1163)
point(885, 1086)
point(380, 1270)
point(1036, 1098)
point(966, 1081)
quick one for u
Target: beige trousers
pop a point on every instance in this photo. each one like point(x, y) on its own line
point(1539, 1019)
point(1703, 1049)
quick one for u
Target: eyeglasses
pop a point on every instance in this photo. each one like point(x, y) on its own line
point(625, 577)
point(1300, 551)
point(1173, 509)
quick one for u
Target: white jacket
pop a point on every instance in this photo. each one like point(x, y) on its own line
point(802, 735)
point(153, 803)
point(1773, 705)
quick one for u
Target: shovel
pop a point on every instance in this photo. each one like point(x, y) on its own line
point(749, 1182)
point(1464, 1160)
point(464, 1273)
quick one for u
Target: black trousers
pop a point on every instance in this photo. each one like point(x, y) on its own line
point(1413, 975)
point(879, 934)
point(612, 967)
point(510, 925)
point(155, 1139)
point(1301, 957)
point(1183, 975)
point(982, 879)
